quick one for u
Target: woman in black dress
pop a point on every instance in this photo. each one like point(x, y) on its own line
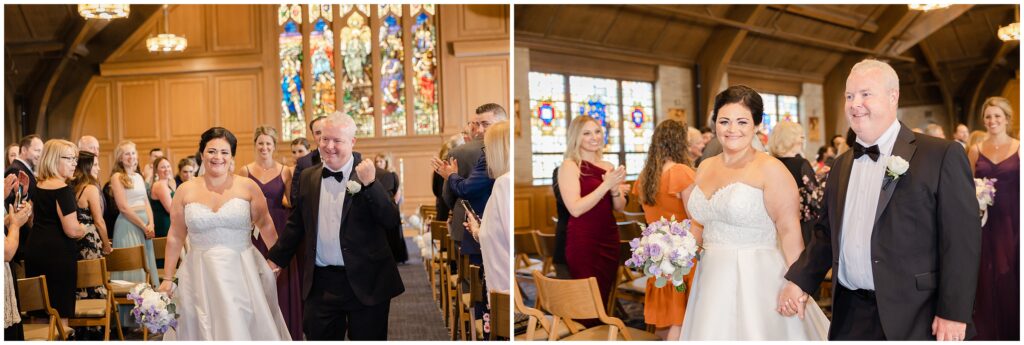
point(52, 248)
point(786, 143)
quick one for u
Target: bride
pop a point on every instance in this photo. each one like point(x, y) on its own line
point(227, 291)
point(749, 206)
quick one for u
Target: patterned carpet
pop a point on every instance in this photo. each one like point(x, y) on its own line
point(414, 314)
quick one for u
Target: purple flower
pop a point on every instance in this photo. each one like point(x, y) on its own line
point(654, 250)
point(634, 243)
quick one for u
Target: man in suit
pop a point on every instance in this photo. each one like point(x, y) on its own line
point(31, 150)
point(902, 235)
point(465, 157)
point(311, 159)
point(342, 216)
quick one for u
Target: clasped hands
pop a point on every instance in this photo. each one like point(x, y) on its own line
point(445, 168)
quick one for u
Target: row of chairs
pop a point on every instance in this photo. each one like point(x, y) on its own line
point(458, 292)
point(92, 273)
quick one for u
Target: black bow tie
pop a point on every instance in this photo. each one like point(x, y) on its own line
point(860, 150)
point(338, 176)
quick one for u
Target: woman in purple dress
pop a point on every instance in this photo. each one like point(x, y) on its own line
point(997, 303)
point(276, 186)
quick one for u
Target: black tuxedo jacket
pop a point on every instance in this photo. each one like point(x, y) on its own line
point(367, 215)
point(14, 168)
point(309, 160)
point(925, 245)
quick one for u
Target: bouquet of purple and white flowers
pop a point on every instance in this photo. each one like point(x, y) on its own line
point(985, 190)
point(153, 309)
point(665, 251)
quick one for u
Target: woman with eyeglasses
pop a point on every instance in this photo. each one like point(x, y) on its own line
point(52, 246)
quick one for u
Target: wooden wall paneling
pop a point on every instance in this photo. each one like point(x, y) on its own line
point(523, 206)
point(96, 109)
point(236, 98)
point(476, 21)
point(138, 110)
point(190, 21)
point(474, 69)
point(234, 28)
point(187, 104)
point(484, 81)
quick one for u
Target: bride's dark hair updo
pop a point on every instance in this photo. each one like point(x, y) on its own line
point(742, 95)
point(215, 133)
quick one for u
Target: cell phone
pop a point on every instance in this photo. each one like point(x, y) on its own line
point(469, 210)
point(17, 199)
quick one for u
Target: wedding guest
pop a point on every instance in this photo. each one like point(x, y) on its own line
point(961, 134)
point(666, 174)
point(90, 144)
point(147, 170)
point(31, 147)
point(311, 159)
point(437, 181)
point(387, 177)
point(52, 248)
point(13, 222)
point(561, 229)
point(94, 244)
point(589, 186)
point(786, 143)
point(300, 148)
point(695, 146)
point(493, 230)
point(935, 131)
point(997, 304)
point(186, 170)
point(274, 180)
point(13, 150)
point(707, 134)
point(976, 138)
point(160, 194)
point(134, 225)
point(839, 145)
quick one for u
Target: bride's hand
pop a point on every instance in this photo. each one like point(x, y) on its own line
point(167, 287)
point(792, 300)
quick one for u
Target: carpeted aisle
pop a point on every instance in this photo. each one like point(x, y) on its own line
point(414, 314)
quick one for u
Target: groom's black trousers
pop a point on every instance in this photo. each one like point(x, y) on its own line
point(332, 311)
point(855, 315)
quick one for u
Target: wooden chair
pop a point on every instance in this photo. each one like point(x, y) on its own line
point(629, 285)
point(120, 260)
point(438, 231)
point(546, 247)
point(526, 249)
point(451, 281)
point(634, 217)
point(537, 318)
point(629, 230)
point(94, 312)
point(33, 296)
point(500, 316)
point(428, 212)
point(578, 299)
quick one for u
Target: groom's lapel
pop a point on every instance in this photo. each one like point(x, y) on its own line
point(904, 147)
point(845, 164)
point(356, 158)
point(315, 179)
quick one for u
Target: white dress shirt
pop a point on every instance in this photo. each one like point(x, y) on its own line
point(328, 230)
point(862, 195)
point(494, 235)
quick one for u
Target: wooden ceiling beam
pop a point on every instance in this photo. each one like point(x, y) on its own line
point(944, 84)
point(829, 16)
point(715, 55)
point(997, 59)
point(34, 47)
point(535, 41)
point(80, 31)
point(926, 24)
point(776, 34)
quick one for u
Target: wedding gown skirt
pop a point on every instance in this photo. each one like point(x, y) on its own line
point(741, 272)
point(226, 290)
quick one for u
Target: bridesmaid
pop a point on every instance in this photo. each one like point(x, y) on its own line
point(276, 181)
point(134, 225)
point(590, 190)
point(161, 193)
point(51, 248)
point(668, 170)
point(997, 304)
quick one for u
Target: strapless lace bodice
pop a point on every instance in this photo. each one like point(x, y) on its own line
point(734, 215)
point(230, 226)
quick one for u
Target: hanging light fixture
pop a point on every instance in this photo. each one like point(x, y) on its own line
point(166, 42)
point(927, 7)
point(1011, 32)
point(103, 11)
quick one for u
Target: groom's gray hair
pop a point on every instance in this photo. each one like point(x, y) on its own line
point(892, 79)
point(348, 125)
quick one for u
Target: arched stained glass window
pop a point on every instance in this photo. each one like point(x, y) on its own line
point(547, 123)
point(392, 71)
point(599, 98)
point(424, 68)
point(357, 69)
point(321, 52)
point(637, 124)
point(293, 121)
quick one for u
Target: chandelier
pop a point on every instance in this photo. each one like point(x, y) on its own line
point(166, 42)
point(1010, 32)
point(103, 11)
point(927, 7)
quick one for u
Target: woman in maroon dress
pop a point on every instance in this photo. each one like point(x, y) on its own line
point(997, 303)
point(590, 190)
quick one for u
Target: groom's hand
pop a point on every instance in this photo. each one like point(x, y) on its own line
point(948, 330)
point(366, 171)
point(792, 300)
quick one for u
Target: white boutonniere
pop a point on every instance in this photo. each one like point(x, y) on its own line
point(353, 187)
point(895, 167)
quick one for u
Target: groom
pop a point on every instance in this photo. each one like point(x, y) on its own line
point(902, 235)
point(343, 215)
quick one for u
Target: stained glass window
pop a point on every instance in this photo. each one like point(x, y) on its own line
point(293, 121)
point(392, 72)
point(424, 68)
point(357, 69)
point(321, 52)
point(629, 125)
point(779, 108)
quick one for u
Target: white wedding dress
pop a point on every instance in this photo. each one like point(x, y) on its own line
point(740, 273)
point(226, 290)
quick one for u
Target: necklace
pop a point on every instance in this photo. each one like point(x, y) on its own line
point(272, 164)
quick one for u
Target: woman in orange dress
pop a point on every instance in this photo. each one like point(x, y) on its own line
point(668, 168)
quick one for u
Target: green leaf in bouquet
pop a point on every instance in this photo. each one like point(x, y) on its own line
point(660, 282)
point(681, 287)
point(172, 309)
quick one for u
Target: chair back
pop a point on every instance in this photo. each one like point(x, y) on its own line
point(428, 212)
point(92, 273)
point(525, 245)
point(574, 299)
point(159, 247)
point(536, 316)
point(128, 259)
point(33, 295)
point(500, 315)
point(634, 217)
point(629, 230)
point(438, 230)
point(476, 288)
point(545, 243)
